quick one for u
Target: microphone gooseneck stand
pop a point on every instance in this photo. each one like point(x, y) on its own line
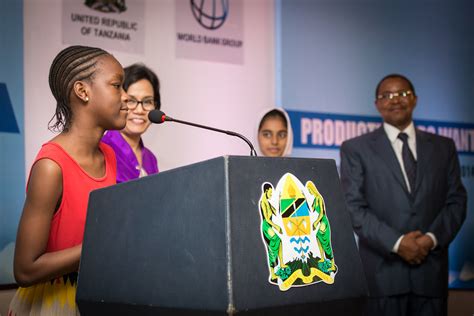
point(160, 117)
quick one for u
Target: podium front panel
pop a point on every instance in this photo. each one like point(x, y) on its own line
point(158, 241)
point(250, 271)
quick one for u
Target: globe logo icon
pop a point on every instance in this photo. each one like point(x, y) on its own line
point(210, 14)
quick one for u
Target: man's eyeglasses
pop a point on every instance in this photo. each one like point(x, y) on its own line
point(391, 95)
point(147, 104)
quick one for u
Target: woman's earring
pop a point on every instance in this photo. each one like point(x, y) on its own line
point(87, 99)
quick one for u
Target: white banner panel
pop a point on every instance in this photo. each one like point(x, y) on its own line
point(108, 24)
point(210, 30)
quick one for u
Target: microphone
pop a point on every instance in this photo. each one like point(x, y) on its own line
point(158, 117)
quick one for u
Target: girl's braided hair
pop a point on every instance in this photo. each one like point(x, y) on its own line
point(74, 63)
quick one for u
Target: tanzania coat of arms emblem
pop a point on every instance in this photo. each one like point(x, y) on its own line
point(296, 234)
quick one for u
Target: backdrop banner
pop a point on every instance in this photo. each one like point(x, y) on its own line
point(331, 56)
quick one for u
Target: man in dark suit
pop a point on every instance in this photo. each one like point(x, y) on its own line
point(407, 203)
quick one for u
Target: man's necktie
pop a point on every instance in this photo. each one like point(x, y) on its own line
point(409, 161)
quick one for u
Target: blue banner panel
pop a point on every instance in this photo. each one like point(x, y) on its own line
point(7, 117)
point(328, 131)
point(12, 142)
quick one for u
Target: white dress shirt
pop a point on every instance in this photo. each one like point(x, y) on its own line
point(397, 144)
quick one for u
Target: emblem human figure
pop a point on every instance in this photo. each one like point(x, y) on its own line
point(323, 232)
point(272, 239)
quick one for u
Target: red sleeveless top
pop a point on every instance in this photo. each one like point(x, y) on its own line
point(67, 225)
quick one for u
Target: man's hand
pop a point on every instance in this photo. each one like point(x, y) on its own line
point(425, 243)
point(410, 250)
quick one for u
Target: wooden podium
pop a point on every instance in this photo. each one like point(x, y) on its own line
point(191, 241)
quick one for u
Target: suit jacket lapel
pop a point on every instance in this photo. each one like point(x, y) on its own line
point(382, 147)
point(424, 150)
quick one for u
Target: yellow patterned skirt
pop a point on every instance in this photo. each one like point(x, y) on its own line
point(55, 297)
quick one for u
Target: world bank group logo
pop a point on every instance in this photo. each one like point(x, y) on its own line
point(107, 6)
point(210, 14)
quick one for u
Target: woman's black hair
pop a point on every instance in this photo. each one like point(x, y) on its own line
point(137, 72)
point(273, 113)
point(74, 63)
